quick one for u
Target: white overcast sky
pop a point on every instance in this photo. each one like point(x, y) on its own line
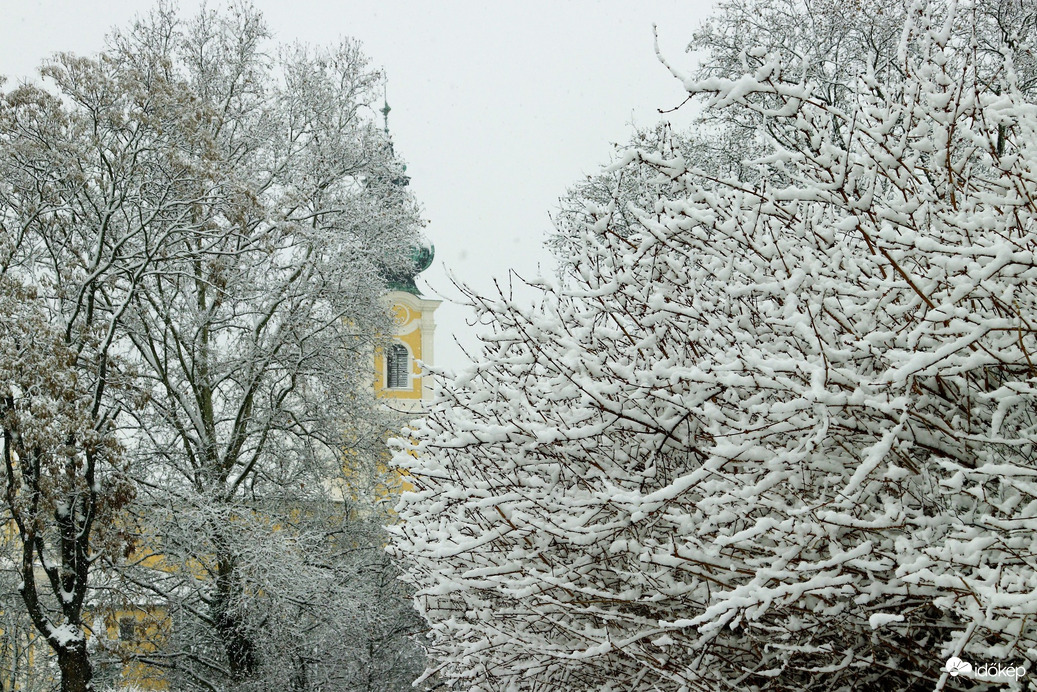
point(497, 106)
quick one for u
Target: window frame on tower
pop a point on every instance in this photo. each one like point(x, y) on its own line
point(397, 367)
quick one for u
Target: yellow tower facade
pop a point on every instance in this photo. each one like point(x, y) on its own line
point(399, 371)
point(399, 365)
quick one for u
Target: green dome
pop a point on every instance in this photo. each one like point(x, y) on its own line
point(420, 256)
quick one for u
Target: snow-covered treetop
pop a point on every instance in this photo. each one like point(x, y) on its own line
point(772, 433)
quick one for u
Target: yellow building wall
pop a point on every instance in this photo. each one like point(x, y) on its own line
point(151, 626)
point(407, 319)
point(414, 329)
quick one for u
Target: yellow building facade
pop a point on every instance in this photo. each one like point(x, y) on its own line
point(399, 366)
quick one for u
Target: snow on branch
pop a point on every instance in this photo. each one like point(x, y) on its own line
point(775, 433)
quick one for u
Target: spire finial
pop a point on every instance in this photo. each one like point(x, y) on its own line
point(385, 108)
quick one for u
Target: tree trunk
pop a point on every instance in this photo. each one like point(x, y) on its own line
point(76, 672)
point(242, 656)
point(241, 651)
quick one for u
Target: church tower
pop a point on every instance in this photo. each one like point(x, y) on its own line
point(398, 375)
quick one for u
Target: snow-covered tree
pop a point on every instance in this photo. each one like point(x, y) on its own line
point(201, 221)
point(830, 43)
point(63, 477)
point(624, 189)
point(87, 167)
point(773, 433)
point(254, 344)
point(319, 601)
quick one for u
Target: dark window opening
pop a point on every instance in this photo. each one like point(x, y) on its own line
point(127, 629)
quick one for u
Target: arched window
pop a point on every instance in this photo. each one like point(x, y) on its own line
point(397, 367)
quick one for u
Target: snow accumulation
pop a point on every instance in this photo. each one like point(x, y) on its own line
point(779, 428)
